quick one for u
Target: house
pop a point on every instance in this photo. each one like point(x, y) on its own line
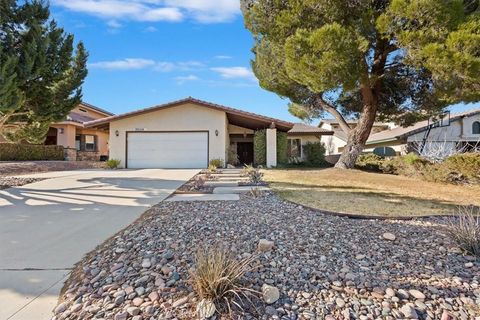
point(79, 142)
point(335, 142)
point(188, 133)
point(460, 131)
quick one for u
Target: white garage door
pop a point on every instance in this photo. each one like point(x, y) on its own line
point(167, 149)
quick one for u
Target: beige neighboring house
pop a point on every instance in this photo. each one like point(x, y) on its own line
point(459, 131)
point(188, 133)
point(80, 143)
point(334, 144)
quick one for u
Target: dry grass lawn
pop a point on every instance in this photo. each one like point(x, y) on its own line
point(364, 193)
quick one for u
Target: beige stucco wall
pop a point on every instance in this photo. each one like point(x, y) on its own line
point(305, 139)
point(332, 144)
point(187, 117)
point(67, 138)
point(271, 147)
point(89, 112)
point(458, 130)
point(102, 139)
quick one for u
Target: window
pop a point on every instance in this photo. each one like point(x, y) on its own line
point(85, 142)
point(83, 110)
point(384, 151)
point(294, 148)
point(78, 142)
point(476, 127)
point(90, 143)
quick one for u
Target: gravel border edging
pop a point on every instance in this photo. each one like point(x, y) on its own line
point(359, 216)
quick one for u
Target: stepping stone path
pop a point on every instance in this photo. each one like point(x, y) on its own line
point(225, 186)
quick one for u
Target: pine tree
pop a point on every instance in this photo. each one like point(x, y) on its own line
point(398, 60)
point(41, 74)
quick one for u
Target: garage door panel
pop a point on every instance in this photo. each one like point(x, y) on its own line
point(167, 149)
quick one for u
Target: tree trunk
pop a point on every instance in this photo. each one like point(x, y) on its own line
point(358, 136)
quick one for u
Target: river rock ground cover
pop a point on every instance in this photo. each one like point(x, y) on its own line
point(325, 267)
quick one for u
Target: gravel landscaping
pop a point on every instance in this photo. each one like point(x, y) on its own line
point(7, 182)
point(324, 267)
point(10, 168)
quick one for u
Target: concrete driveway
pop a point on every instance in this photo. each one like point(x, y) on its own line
point(48, 226)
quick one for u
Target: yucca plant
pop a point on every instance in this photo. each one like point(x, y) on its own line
point(246, 170)
point(255, 192)
point(464, 229)
point(255, 176)
point(219, 277)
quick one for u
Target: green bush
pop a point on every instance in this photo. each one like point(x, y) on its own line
point(412, 158)
point(112, 163)
point(460, 168)
point(466, 165)
point(260, 147)
point(29, 152)
point(282, 146)
point(370, 162)
point(217, 163)
point(314, 153)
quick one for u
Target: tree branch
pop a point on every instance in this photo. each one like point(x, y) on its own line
point(319, 101)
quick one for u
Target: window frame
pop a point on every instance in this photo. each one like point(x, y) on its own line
point(476, 127)
point(93, 143)
point(298, 147)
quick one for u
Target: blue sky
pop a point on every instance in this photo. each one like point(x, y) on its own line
point(147, 52)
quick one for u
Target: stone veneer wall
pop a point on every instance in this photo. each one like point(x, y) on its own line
point(88, 156)
point(70, 154)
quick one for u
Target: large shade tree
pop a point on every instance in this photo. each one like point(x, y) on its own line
point(398, 60)
point(41, 73)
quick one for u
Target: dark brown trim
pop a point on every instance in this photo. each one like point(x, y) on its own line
point(326, 133)
point(166, 131)
point(280, 124)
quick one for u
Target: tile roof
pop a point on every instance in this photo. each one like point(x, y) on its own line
point(77, 117)
point(91, 106)
point(281, 124)
point(334, 121)
point(305, 128)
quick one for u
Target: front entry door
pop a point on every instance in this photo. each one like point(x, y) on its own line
point(245, 152)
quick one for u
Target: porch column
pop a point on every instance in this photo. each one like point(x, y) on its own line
point(271, 147)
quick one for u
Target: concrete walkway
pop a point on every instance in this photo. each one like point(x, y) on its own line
point(225, 188)
point(48, 226)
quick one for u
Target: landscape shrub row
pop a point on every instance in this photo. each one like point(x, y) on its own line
point(29, 152)
point(459, 169)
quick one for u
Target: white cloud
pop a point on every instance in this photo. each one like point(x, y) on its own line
point(222, 57)
point(122, 9)
point(151, 29)
point(114, 24)
point(203, 11)
point(183, 79)
point(234, 72)
point(164, 66)
point(124, 64)
point(140, 63)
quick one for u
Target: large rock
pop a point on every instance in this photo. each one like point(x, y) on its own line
point(416, 294)
point(265, 245)
point(270, 294)
point(61, 307)
point(409, 311)
point(389, 236)
point(205, 309)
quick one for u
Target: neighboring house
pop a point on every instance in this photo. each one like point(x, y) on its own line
point(189, 133)
point(460, 131)
point(335, 142)
point(80, 143)
point(456, 131)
